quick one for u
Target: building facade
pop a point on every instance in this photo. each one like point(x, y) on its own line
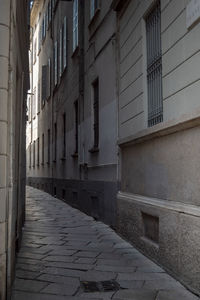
point(159, 129)
point(72, 128)
point(14, 83)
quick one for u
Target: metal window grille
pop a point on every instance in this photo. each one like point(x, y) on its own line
point(48, 154)
point(43, 149)
point(154, 66)
point(96, 113)
point(64, 135)
point(55, 141)
point(34, 154)
point(38, 151)
point(65, 43)
point(76, 126)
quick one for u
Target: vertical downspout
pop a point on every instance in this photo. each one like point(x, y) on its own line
point(10, 165)
point(81, 82)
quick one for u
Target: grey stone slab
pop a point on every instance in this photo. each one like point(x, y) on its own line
point(162, 284)
point(135, 295)
point(112, 262)
point(144, 276)
point(97, 295)
point(29, 285)
point(30, 296)
point(63, 272)
point(59, 279)
point(60, 289)
point(31, 255)
point(178, 294)
point(94, 275)
point(57, 258)
point(26, 274)
point(131, 284)
point(73, 266)
point(85, 260)
point(63, 252)
point(117, 269)
point(28, 267)
point(87, 254)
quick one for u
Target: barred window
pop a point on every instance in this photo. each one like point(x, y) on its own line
point(55, 142)
point(76, 126)
point(75, 24)
point(154, 66)
point(96, 112)
point(38, 151)
point(42, 149)
point(55, 63)
point(65, 43)
point(48, 148)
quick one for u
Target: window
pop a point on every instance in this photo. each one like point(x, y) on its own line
point(44, 27)
point(64, 136)
point(43, 149)
point(76, 126)
point(38, 151)
point(55, 141)
point(49, 12)
point(38, 98)
point(94, 6)
point(96, 113)
point(65, 43)
point(55, 63)
point(34, 51)
point(30, 155)
point(61, 52)
point(75, 24)
point(34, 154)
point(34, 103)
point(48, 149)
point(154, 66)
point(44, 83)
point(49, 79)
point(29, 108)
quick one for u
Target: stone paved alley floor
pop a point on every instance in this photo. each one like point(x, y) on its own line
point(63, 250)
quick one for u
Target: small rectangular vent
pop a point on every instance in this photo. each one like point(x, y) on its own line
point(151, 227)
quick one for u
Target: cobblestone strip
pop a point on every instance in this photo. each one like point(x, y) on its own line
point(63, 247)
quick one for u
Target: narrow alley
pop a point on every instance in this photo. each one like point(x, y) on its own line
point(66, 254)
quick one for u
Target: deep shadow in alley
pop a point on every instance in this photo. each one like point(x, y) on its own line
point(66, 254)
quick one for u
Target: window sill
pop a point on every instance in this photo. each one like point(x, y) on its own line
point(94, 150)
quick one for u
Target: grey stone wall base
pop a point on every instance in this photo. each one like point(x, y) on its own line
point(178, 247)
point(95, 198)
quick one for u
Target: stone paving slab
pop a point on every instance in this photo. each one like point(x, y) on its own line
point(62, 248)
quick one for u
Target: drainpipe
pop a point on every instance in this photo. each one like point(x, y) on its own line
point(10, 196)
point(81, 84)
